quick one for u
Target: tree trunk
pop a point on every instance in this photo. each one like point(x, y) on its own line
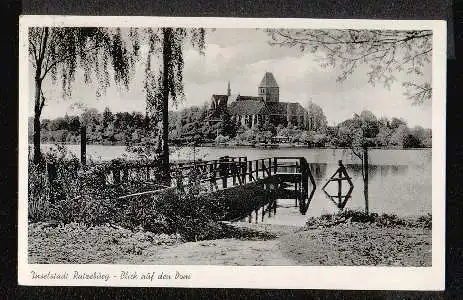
point(39, 100)
point(365, 178)
point(167, 57)
point(37, 113)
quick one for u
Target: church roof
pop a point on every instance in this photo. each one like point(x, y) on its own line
point(268, 80)
point(249, 98)
point(283, 108)
point(220, 98)
point(247, 107)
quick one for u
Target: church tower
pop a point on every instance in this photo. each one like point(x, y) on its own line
point(228, 89)
point(268, 88)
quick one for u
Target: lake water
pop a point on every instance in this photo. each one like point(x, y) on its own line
point(400, 181)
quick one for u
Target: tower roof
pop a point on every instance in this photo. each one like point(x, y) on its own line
point(268, 80)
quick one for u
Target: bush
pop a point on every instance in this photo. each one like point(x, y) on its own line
point(187, 210)
point(355, 216)
point(38, 191)
point(88, 197)
point(50, 182)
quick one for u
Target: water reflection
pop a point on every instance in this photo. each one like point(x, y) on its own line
point(318, 170)
point(400, 181)
point(377, 170)
point(393, 188)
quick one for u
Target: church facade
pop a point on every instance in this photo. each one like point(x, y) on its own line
point(254, 110)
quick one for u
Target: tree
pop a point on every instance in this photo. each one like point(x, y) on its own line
point(228, 125)
point(399, 136)
point(316, 119)
point(365, 128)
point(384, 135)
point(386, 52)
point(108, 117)
point(396, 123)
point(57, 52)
point(166, 84)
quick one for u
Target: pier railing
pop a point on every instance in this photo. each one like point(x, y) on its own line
point(233, 171)
point(273, 177)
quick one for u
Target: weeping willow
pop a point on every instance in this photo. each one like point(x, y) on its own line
point(107, 55)
point(59, 52)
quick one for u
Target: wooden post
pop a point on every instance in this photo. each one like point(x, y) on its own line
point(275, 165)
point(275, 207)
point(257, 215)
point(243, 171)
point(270, 166)
point(257, 169)
point(223, 171)
point(233, 170)
point(340, 185)
point(212, 173)
point(83, 145)
point(296, 193)
point(263, 212)
point(365, 178)
point(250, 170)
point(269, 206)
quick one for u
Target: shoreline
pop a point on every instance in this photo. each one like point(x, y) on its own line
point(280, 146)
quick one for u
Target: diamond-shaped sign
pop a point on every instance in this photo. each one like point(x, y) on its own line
point(303, 205)
point(339, 176)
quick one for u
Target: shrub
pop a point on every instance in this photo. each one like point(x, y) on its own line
point(425, 221)
point(50, 182)
point(187, 210)
point(355, 216)
point(38, 191)
point(88, 196)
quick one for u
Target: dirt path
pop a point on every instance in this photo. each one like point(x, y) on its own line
point(223, 251)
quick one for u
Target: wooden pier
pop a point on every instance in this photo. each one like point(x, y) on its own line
point(245, 187)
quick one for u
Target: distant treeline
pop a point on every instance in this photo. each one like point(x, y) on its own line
point(190, 126)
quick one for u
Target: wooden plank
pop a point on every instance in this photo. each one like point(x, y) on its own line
point(340, 178)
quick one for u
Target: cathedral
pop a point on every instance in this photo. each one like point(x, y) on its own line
point(254, 110)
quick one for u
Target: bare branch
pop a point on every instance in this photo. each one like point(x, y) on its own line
point(386, 51)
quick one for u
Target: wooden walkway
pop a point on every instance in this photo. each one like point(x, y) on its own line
point(247, 185)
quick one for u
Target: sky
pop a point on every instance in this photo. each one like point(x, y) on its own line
point(242, 56)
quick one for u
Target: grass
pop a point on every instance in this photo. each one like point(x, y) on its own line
point(356, 216)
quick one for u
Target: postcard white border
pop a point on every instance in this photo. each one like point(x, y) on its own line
point(281, 277)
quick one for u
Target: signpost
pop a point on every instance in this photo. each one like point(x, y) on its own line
point(339, 176)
